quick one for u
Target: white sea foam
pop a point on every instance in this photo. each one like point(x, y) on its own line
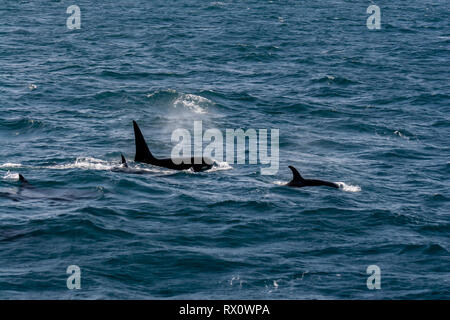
point(87, 163)
point(139, 170)
point(90, 163)
point(342, 185)
point(150, 95)
point(348, 187)
point(186, 101)
point(400, 134)
point(11, 176)
point(10, 165)
point(192, 102)
point(220, 166)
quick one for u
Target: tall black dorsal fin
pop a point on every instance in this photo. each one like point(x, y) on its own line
point(22, 179)
point(143, 154)
point(296, 174)
point(124, 162)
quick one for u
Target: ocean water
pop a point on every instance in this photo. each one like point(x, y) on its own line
point(367, 108)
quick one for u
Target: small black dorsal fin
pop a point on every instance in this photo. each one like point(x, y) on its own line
point(22, 179)
point(296, 175)
point(124, 162)
point(143, 154)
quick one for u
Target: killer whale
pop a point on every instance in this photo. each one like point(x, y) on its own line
point(124, 162)
point(29, 191)
point(144, 155)
point(124, 168)
point(22, 179)
point(16, 196)
point(299, 181)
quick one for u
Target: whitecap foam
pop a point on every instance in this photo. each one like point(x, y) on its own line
point(150, 95)
point(348, 187)
point(90, 163)
point(220, 166)
point(342, 185)
point(280, 183)
point(139, 170)
point(401, 135)
point(87, 163)
point(192, 102)
point(11, 176)
point(217, 166)
point(10, 165)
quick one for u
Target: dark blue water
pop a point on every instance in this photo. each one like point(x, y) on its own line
point(368, 108)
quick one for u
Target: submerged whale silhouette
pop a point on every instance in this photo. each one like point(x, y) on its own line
point(298, 181)
point(28, 191)
point(17, 195)
point(144, 155)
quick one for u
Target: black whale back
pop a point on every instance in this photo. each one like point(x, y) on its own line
point(298, 181)
point(143, 153)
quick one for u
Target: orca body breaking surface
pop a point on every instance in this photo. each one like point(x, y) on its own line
point(28, 191)
point(144, 155)
point(125, 168)
point(299, 182)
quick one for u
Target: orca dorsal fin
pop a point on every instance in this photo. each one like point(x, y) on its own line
point(22, 179)
point(296, 175)
point(143, 153)
point(124, 162)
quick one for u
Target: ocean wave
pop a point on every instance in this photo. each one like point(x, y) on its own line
point(91, 163)
point(196, 104)
point(220, 166)
point(24, 123)
point(401, 134)
point(11, 165)
point(431, 248)
point(348, 187)
point(87, 163)
point(185, 101)
point(12, 176)
point(441, 123)
point(215, 5)
point(329, 79)
point(124, 75)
